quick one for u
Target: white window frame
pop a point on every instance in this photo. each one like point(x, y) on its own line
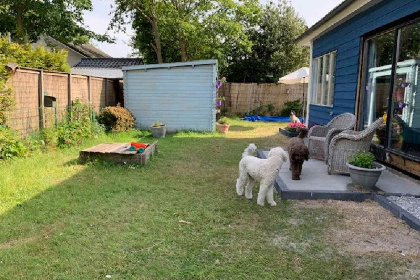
point(317, 91)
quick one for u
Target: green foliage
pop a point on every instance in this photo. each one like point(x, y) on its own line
point(10, 144)
point(26, 56)
point(158, 123)
point(116, 119)
point(77, 125)
point(274, 52)
point(362, 159)
point(224, 120)
point(26, 20)
point(295, 105)
point(189, 30)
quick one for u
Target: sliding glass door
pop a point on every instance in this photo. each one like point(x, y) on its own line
point(392, 61)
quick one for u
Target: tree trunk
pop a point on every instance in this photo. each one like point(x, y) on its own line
point(183, 47)
point(20, 30)
point(157, 46)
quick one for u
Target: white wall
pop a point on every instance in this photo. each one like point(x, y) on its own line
point(73, 57)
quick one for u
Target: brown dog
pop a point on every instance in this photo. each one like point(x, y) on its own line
point(298, 153)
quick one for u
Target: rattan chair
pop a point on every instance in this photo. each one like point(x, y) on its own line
point(348, 143)
point(320, 135)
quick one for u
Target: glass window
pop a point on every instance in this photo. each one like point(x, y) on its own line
point(323, 78)
point(405, 122)
point(378, 81)
point(398, 105)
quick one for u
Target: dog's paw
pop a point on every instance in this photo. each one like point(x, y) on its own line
point(273, 203)
point(260, 204)
point(248, 196)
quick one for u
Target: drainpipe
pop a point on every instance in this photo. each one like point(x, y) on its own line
point(309, 97)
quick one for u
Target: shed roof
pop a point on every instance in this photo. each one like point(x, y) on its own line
point(170, 65)
point(116, 63)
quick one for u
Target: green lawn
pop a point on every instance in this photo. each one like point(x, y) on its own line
point(61, 220)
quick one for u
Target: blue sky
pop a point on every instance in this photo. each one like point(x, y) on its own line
point(98, 20)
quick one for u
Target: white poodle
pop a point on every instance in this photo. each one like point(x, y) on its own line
point(250, 150)
point(265, 171)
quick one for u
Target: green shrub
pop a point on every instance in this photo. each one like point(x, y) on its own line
point(10, 144)
point(292, 106)
point(77, 125)
point(362, 159)
point(116, 119)
point(224, 120)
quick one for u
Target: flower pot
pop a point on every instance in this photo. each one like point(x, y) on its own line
point(158, 131)
point(366, 177)
point(222, 128)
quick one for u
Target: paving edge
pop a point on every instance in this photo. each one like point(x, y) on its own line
point(381, 199)
point(398, 211)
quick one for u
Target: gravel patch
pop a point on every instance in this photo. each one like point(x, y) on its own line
point(408, 203)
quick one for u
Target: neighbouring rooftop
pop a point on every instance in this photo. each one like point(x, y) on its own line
point(109, 68)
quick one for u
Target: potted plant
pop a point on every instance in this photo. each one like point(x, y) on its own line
point(363, 170)
point(223, 125)
point(158, 130)
point(219, 100)
point(292, 129)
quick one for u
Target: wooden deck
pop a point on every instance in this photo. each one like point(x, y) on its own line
point(117, 152)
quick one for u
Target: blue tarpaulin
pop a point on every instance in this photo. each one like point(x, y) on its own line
point(268, 119)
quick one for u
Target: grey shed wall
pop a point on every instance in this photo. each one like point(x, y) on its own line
point(181, 95)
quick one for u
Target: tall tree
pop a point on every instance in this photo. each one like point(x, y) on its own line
point(26, 20)
point(150, 11)
point(274, 52)
point(187, 29)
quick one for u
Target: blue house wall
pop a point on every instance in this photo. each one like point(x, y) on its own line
point(347, 39)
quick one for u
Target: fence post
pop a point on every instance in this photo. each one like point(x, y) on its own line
point(41, 100)
point(89, 89)
point(106, 92)
point(69, 95)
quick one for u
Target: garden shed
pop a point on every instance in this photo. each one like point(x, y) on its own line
point(181, 95)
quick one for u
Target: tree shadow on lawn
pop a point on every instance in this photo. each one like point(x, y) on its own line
point(240, 128)
point(125, 221)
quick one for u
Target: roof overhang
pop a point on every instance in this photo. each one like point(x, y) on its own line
point(340, 14)
point(170, 65)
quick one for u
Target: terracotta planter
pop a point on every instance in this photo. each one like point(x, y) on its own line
point(222, 128)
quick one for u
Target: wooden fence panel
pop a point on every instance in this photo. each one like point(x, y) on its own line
point(27, 115)
point(79, 88)
point(270, 99)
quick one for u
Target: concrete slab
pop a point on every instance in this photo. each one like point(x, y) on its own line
point(315, 179)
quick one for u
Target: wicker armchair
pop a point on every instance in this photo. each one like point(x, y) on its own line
point(320, 135)
point(346, 144)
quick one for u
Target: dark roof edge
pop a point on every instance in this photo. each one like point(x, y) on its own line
point(67, 45)
point(326, 18)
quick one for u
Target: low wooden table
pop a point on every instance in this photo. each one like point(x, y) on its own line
point(117, 152)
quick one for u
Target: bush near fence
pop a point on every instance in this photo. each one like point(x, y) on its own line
point(263, 99)
point(30, 85)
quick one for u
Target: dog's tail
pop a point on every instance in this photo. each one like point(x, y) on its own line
point(303, 133)
point(250, 150)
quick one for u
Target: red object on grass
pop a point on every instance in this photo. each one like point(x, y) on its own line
point(139, 145)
